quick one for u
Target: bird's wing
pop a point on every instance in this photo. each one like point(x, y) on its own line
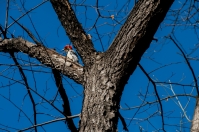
point(75, 58)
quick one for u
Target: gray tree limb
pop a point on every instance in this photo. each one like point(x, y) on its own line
point(46, 56)
point(74, 30)
point(136, 34)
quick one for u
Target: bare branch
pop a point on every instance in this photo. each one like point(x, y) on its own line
point(27, 87)
point(27, 31)
point(137, 33)
point(28, 12)
point(66, 105)
point(188, 64)
point(74, 30)
point(48, 122)
point(42, 124)
point(157, 101)
point(18, 109)
point(46, 56)
point(3, 32)
point(7, 11)
point(123, 122)
point(156, 92)
point(180, 105)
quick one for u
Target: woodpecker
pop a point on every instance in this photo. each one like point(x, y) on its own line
point(71, 53)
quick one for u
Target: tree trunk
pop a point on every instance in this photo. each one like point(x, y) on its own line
point(104, 75)
point(102, 97)
point(195, 122)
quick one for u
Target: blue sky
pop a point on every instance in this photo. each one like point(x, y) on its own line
point(160, 54)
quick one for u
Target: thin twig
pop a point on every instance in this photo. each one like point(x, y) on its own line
point(45, 123)
point(66, 105)
point(28, 32)
point(188, 63)
point(149, 103)
point(7, 11)
point(156, 92)
point(123, 122)
point(27, 87)
point(27, 13)
point(179, 103)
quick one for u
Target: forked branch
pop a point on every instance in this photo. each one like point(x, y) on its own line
point(74, 30)
point(136, 34)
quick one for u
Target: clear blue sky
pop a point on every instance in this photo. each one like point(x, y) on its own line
point(160, 54)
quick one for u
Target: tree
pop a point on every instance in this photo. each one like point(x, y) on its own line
point(103, 75)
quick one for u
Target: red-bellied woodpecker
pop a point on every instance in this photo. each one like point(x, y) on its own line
point(71, 53)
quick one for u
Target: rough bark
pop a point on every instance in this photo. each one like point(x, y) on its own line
point(74, 30)
point(105, 74)
point(101, 101)
point(195, 122)
point(136, 34)
point(105, 80)
point(46, 56)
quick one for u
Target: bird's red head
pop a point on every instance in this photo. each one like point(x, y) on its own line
point(68, 47)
